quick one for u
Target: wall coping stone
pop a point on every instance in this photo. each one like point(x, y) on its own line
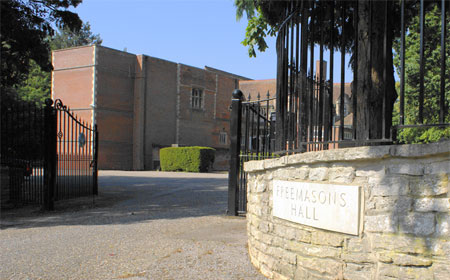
point(405, 214)
point(353, 154)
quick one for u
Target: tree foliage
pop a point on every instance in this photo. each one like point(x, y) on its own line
point(256, 30)
point(432, 76)
point(370, 89)
point(37, 85)
point(260, 23)
point(330, 15)
point(265, 17)
point(25, 25)
point(66, 38)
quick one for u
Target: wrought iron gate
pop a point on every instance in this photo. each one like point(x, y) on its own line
point(314, 113)
point(76, 148)
point(47, 154)
point(252, 138)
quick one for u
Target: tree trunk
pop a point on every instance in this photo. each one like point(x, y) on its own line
point(371, 86)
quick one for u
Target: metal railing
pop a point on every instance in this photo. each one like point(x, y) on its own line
point(47, 154)
point(306, 32)
point(312, 111)
point(76, 147)
point(22, 151)
point(256, 140)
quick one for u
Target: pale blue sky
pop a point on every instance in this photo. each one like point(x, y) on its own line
point(192, 32)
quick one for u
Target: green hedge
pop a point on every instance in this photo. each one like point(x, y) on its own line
point(190, 159)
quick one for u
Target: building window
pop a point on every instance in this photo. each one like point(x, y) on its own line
point(197, 98)
point(348, 135)
point(223, 138)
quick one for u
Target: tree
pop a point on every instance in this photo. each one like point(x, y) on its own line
point(431, 76)
point(67, 38)
point(25, 25)
point(370, 85)
point(37, 85)
point(257, 27)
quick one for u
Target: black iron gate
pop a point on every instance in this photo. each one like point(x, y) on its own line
point(314, 113)
point(252, 138)
point(76, 146)
point(47, 154)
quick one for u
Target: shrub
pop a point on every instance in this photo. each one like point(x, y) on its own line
point(190, 159)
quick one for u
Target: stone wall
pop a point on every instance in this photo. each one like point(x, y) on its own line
point(406, 215)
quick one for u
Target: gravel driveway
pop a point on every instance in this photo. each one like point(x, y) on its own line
point(143, 225)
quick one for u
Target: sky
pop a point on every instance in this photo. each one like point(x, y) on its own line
point(192, 32)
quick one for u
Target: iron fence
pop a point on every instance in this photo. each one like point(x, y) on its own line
point(323, 117)
point(47, 154)
point(256, 141)
point(22, 151)
point(312, 111)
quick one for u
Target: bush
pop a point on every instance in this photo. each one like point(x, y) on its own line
point(190, 159)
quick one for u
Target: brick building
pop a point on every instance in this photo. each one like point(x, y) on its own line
point(142, 103)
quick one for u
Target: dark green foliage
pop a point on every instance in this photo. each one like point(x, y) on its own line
point(189, 159)
point(265, 17)
point(67, 38)
point(25, 25)
point(432, 75)
point(22, 128)
point(36, 86)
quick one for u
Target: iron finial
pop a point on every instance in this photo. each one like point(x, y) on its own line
point(237, 94)
point(48, 102)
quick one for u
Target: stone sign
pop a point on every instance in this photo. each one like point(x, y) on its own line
point(326, 206)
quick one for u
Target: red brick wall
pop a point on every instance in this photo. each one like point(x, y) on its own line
point(160, 102)
point(258, 86)
point(138, 99)
point(115, 103)
point(72, 79)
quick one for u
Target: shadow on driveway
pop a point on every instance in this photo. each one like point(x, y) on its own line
point(132, 197)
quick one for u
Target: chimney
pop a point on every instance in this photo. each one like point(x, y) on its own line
point(324, 70)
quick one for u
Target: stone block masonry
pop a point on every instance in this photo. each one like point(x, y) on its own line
point(405, 216)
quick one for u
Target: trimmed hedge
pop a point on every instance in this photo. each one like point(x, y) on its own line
point(189, 159)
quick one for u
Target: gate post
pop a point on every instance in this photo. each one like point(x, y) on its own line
point(235, 145)
point(50, 154)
